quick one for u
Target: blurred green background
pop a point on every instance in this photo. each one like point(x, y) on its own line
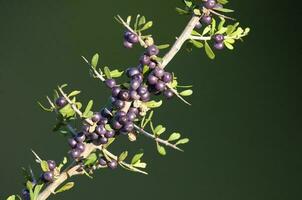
point(245, 123)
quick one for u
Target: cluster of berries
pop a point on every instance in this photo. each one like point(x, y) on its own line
point(49, 175)
point(103, 162)
point(146, 79)
point(207, 17)
point(130, 39)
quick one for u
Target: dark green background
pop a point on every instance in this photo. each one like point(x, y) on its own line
point(244, 125)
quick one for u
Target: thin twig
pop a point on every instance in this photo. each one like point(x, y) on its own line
point(141, 41)
point(165, 142)
point(94, 70)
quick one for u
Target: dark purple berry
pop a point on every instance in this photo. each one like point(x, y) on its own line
point(131, 116)
point(80, 137)
point(25, 194)
point(152, 80)
point(96, 117)
point(152, 64)
point(134, 95)
point(103, 140)
point(115, 91)
point(85, 128)
point(210, 4)
point(80, 147)
point(198, 25)
point(103, 121)
point(152, 50)
point(146, 97)
point(158, 72)
point(61, 102)
point(48, 176)
point(124, 95)
point(167, 77)
point(94, 136)
point(145, 60)
point(168, 94)
point(110, 134)
point(219, 45)
point(160, 86)
point(138, 77)
point(119, 104)
point(123, 120)
point(206, 19)
point(100, 130)
point(120, 114)
point(132, 72)
point(126, 34)
point(116, 125)
point(134, 84)
point(127, 44)
point(103, 161)
point(133, 38)
point(75, 153)
point(112, 164)
point(72, 142)
point(142, 90)
point(110, 83)
point(134, 110)
point(218, 38)
point(51, 165)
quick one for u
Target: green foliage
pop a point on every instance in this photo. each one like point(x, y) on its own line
point(123, 156)
point(95, 60)
point(65, 187)
point(91, 159)
point(88, 113)
point(44, 166)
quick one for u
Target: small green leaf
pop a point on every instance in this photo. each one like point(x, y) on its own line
point(66, 187)
point(174, 136)
point(159, 130)
point(206, 30)
point(225, 10)
point(182, 11)
point(74, 93)
point(107, 72)
point(137, 157)
point(209, 51)
point(116, 73)
point(140, 165)
point(197, 12)
point(123, 156)
point(95, 60)
point(91, 159)
point(186, 93)
point(12, 197)
point(129, 20)
point(142, 21)
point(88, 109)
point(188, 3)
point(110, 141)
point(44, 108)
point(37, 190)
point(228, 45)
point(195, 33)
point(182, 141)
point(223, 2)
point(161, 150)
point(147, 26)
point(196, 43)
point(163, 46)
point(44, 166)
point(154, 104)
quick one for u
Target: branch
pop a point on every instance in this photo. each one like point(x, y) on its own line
point(180, 41)
point(165, 142)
